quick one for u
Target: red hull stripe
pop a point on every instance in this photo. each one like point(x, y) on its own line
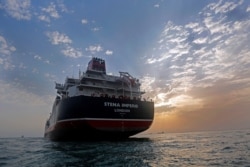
point(102, 123)
point(104, 119)
point(107, 122)
point(113, 124)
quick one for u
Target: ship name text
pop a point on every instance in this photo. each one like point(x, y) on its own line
point(123, 105)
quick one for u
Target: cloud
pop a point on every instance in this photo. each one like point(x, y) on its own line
point(7, 65)
point(51, 10)
point(95, 29)
point(5, 52)
point(148, 83)
point(84, 21)
point(156, 5)
point(18, 9)
point(47, 61)
point(223, 105)
point(109, 52)
point(200, 40)
point(5, 48)
point(37, 57)
point(72, 52)
point(94, 48)
point(248, 9)
point(58, 38)
point(221, 7)
point(63, 40)
point(199, 55)
point(44, 18)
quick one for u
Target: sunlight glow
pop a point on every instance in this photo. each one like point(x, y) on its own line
point(177, 101)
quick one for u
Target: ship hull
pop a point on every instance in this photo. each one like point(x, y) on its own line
point(84, 117)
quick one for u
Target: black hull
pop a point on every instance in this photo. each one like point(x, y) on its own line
point(84, 117)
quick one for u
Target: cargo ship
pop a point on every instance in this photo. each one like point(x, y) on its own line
point(97, 105)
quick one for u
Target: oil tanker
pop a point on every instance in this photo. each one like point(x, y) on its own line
point(98, 106)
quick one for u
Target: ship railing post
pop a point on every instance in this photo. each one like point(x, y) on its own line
point(130, 90)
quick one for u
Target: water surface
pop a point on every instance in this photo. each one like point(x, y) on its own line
point(222, 148)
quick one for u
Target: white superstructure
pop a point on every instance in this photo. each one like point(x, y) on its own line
point(95, 82)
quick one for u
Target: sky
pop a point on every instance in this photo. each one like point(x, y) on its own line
point(192, 58)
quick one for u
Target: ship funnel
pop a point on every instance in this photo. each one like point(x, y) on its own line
point(97, 65)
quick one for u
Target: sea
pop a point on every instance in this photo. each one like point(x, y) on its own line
point(217, 148)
